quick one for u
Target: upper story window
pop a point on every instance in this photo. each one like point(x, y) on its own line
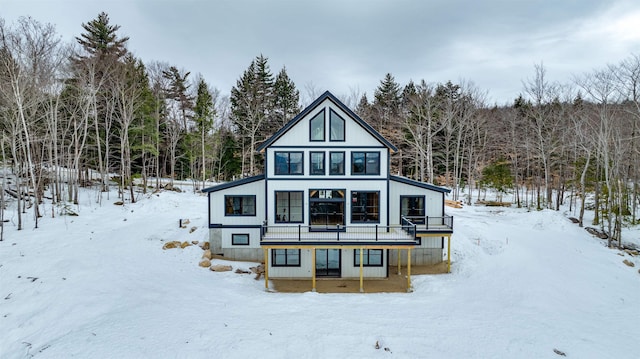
point(365, 163)
point(365, 206)
point(413, 208)
point(317, 163)
point(336, 163)
point(289, 163)
point(316, 127)
point(243, 205)
point(336, 126)
point(289, 207)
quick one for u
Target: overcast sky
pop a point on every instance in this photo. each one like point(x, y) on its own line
point(347, 46)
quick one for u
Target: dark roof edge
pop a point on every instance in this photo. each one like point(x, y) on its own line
point(232, 184)
point(419, 184)
point(311, 107)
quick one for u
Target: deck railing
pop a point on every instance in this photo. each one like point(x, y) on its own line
point(430, 223)
point(338, 233)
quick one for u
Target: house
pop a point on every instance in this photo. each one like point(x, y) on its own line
point(327, 206)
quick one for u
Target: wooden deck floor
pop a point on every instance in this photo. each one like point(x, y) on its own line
point(394, 284)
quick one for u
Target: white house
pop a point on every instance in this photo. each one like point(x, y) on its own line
point(327, 205)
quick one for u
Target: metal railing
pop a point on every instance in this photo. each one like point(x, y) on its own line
point(430, 223)
point(338, 233)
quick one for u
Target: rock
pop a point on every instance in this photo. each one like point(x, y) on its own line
point(220, 268)
point(207, 254)
point(241, 271)
point(205, 263)
point(259, 270)
point(206, 245)
point(628, 263)
point(185, 244)
point(574, 220)
point(169, 245)
point(195, 243)
point(192, 229)
point(118, 203)
point(561, 353)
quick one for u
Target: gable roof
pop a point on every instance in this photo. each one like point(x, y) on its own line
point(235, 183)
point(311, 107)
point(419, 184)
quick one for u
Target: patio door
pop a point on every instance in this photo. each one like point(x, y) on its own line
point(328, 262)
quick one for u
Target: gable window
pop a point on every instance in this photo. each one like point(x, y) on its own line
point(317, 163)
point(336, 126)
point(289, 163)
point(412, 207)
point(365, 206)
point(365, 163)
point(316, 127)
point(240, 239)
point(240, 205)
point(370, 258)
point(336, 163)
point(289, 207)
point(285, 257)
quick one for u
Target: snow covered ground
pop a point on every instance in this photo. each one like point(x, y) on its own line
point(99, 285)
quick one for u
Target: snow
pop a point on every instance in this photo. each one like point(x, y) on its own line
point(99, 285)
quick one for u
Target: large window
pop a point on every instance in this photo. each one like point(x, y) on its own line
point(285, 257)
point(370, 258)
point(316, 127)
point(365, 206)
point(289, 207)
point(239, 205)
point(336, 125)
point(317, 163)
point(326, 208)
point(365, 163)
point(412, 207)
point(336, 163)
point(289, 163)
point(240, 239)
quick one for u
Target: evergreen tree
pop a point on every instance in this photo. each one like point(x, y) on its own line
point(100, 39)
point(204, 112)
point(286, 99)
point(251, 104)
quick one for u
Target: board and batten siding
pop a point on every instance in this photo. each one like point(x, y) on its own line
point(434, 200)
point(217, 205)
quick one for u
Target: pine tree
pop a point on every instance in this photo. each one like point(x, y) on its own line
point(204, 112)
point(286, 99)
point(251, 104)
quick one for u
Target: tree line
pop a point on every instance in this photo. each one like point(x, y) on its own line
point(89, 113)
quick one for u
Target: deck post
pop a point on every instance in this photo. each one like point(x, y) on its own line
point(409, 289)
point(266, 269)
point(399, 256)
point(361, 270)
point(313, 269)
point(449, 254)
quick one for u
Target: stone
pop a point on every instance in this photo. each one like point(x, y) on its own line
point(205, 263)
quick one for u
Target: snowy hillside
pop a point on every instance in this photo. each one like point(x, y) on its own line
point(99, 285)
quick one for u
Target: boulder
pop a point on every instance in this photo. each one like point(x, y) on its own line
point(185, 244)
point(207, 254)
point(628, 263)
point(172, 244)
point(220, 268)
point(204, 263)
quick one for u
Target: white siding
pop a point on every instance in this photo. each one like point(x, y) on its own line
point(216, 204)
point(434, 200)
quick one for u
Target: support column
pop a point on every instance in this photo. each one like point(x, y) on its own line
point(313, 269)
point(399, 261)
point(361, 270)
point(409, 288)
point(266, 268)
point(449, 254)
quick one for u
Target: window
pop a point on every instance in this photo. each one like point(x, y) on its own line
point(316, 127)
point(239, 205)
point(289, 163)
point(365, 163)
point(412, 207)
point(326, 208)
point(317, 163)
point(285, 257)
point(289, 207)
point(336, 124)
point(370, 258)
point(336, 163)
point(238, 239)
point(365, 206)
